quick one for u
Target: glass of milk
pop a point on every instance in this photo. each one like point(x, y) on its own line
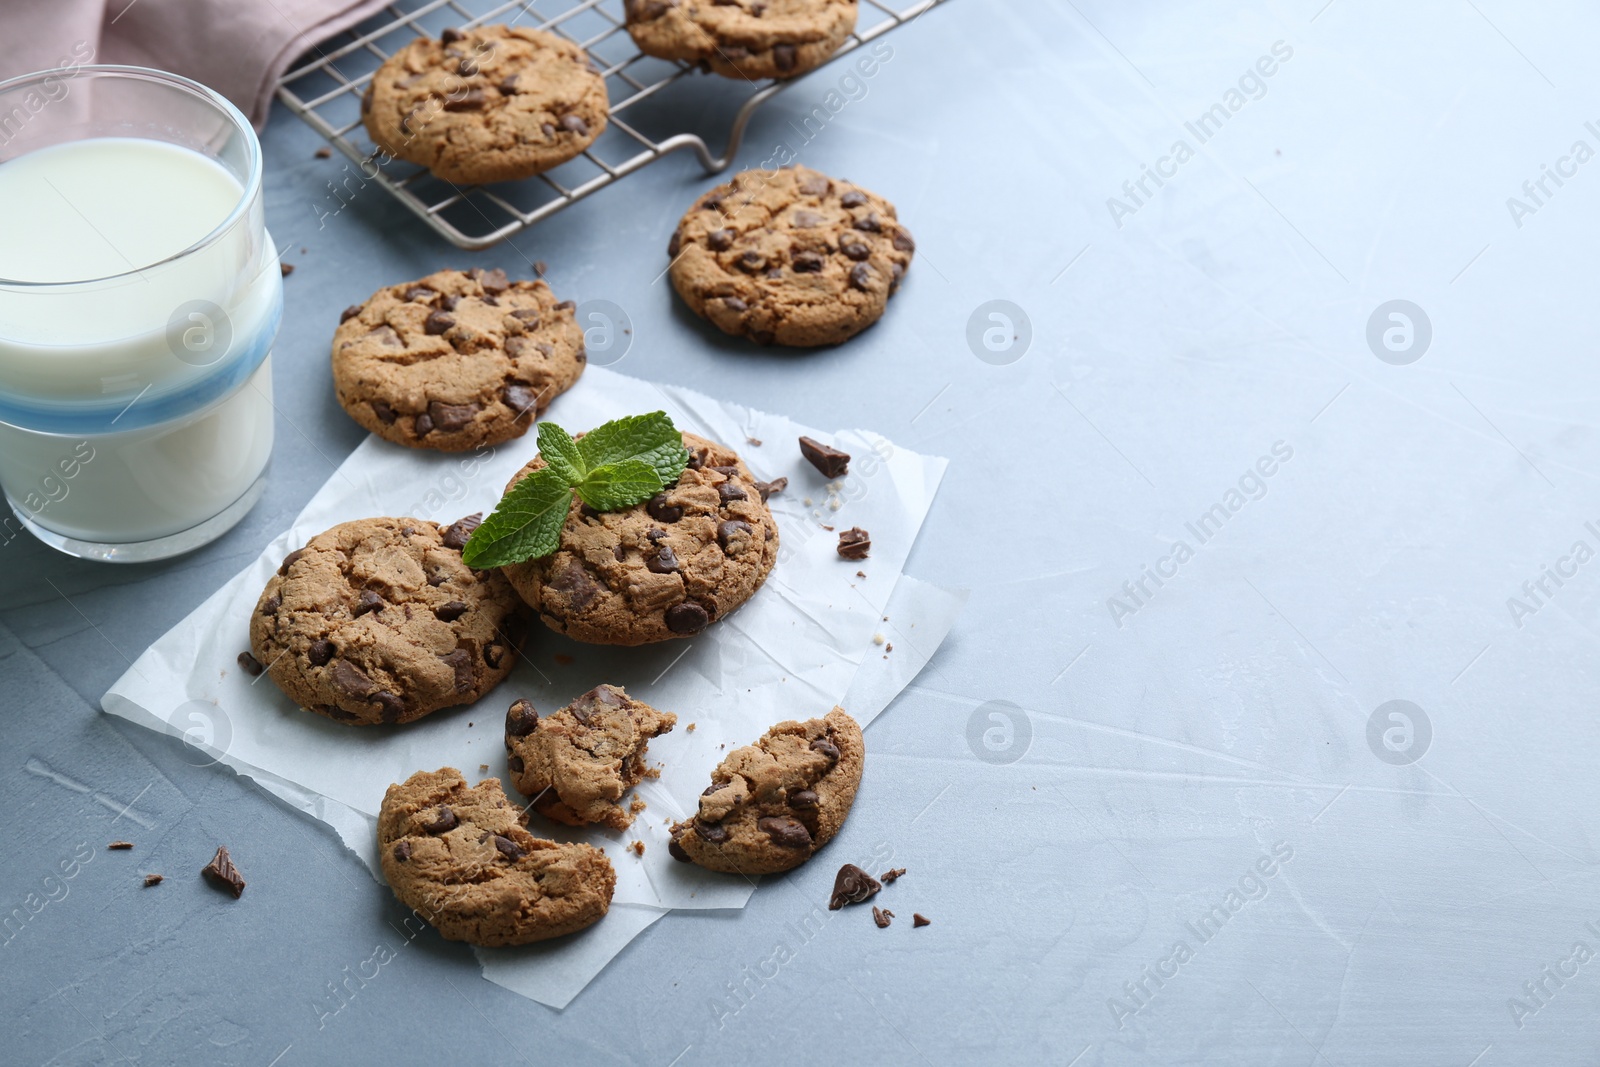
point(139, 298)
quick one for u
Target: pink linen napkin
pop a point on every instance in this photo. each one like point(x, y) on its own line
point(238, 47)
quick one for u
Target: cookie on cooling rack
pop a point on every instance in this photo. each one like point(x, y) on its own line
point(488, 104)
point(742, 38)
point(789, 257)
point(456, 360)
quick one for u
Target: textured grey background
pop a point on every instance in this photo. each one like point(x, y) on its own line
point(1159, 749)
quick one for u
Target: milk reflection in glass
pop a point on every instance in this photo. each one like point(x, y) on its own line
point(137, 406)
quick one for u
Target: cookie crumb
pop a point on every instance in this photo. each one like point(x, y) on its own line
point(825, 526)
point(861, 574)
point(877, 639)
point(483, 767)
point(889, 646)
point(830, 462)
point(756, 441)
point(323, 153)
point(636, 805)
point(852, 885)
point(563, 660)
point(890, 876)
point(637, 848)
point(919, 919)
point(881, 916)
point(249, 664)
point(689, 729)
point(153, 879)
point(223, 874)
point(286, 268)
point(119, 846)
point(855, 543)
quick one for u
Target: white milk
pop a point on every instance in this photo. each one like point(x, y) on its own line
point(139, 406)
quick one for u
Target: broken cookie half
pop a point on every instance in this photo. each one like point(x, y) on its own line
point(577, 763)
point(772, 805)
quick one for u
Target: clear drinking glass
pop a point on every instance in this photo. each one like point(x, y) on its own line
point(139, 298)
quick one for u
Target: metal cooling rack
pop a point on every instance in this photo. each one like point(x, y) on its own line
point(655, 95)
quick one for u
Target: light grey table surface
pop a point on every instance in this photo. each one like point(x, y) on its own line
point(1432, 877)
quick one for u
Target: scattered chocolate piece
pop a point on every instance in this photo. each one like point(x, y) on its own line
point(223, 874)
point(829, 461)
point(457, 533)
point(855, 543)
point(766, 489)
point(249, 664)
point(286, 269)
point(120, 846)
point(919, 919)
point(881, 916)
point(861, 574)
point(754, 441)
point(153, 879)
point(323, 153)
point(852, 885)
point(890, 876)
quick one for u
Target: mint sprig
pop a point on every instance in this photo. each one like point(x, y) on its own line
point(614, 466)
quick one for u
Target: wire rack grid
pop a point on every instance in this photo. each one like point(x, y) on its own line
point(657, 96)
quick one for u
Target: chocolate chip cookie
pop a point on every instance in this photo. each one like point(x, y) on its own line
point(742, 38)
point(789, 257)
point(461, 859)
point(666, 568)
point(489, 104)
point(773, 804)
point(456, 360)
point(379, 621)
point(577, 762)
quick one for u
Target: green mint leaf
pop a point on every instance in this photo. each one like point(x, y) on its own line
point(525, 525)
point(619, 485)
point(561, 453)
point(651, 439)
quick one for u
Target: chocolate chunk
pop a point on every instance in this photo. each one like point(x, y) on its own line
point(493, 654)
point(730, 491)
point(508, 85)
point(807, 220)
point(803, 799)
point(730, 530)
point(457, 533)
point(752, 261)
point(349, 681)
point(892, 875)
point(271, 605)
point(854, 198)
point(460, 660)
point(767, 489)
point(222, 873)
point(829, 461)
point(153, 879)
point(661, 511)
point(903, 242)
point(576, 586)
point(385, 413)
point(508, 848)
point(402, 851)
point(438, 322)
point(735, 304)
point(881, 916)
point(855, 250)
point(547, 129)
point(676, 851)
point(450, 612)
point(367, 601)
point(852, 885)
point(449, 303)
point(861, 277)
point(816, 185)
point(855, 543)
point(444, 820)
point(120, 846)
point(471, 100)
point(285, 269)
point(664, 561)
point(675, 244)
point(450, 36)
point(521, 718)
point(452, 417)
point(687, 618)
point(574, 124)
point(918, 919)
point(715, 833)
point(720, 240)
point(320, 652)
point(784, 831)
point(420, 294)
point(288, 561)
point(826, 747)
point(350, 312)
point(806, 262)
point(783, 56)
point(515, 764)
point(697, 459)
point(249, 664)
point(391, 708)
point(494, 282)
point(423, 425)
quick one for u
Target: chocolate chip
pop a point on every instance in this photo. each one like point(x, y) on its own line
point(661, 511)
point(471, 100)
point(420, 294)
point(903, 242)
point(456, 534)
point(730, 530)
point(515, 764)
point(733, 303)
point(349, 681)
point(767, 489)
point(830, 462)
point(720, 240)
point(574, 124)
point(494, 282)
point(566, 305)
point(493, 655)
point(576, 585)
point(852, 885)
point(687, 618)
point(402, 851)
point(881, 916)
point(816, 185)
point(891, 875)
point(896, 272)
point(806, 262)
point(752, 261)
point(521, 719)
point(422, 426)
point(452, 417)
point(804, 800)
point(697, 459)
point(508, 86)
point(712, 203)
point(675, 244)
point(288, 561)
point(444, 820)
point(249, 664)
point(222, 873)
point(450, 36)
point(350, 312)
point(676, 851)
point(384, 412)
point(619, 553)
point(460, 660)
point(861, 277)
point(854, 198)
point(783, 56)
point(663, 562)
point(320, 652)
point(367, 601)
point(391, 708)
point(869, 224)
point(784, 831)
point(508, 848)
point(807, 220)
point(654, 534)
point(826, 747)
point(529, 317)
point(153, 879)
point(547, 129)
point(855, 543)
point(438, 322)
point(710, 831)
point(855, 250)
